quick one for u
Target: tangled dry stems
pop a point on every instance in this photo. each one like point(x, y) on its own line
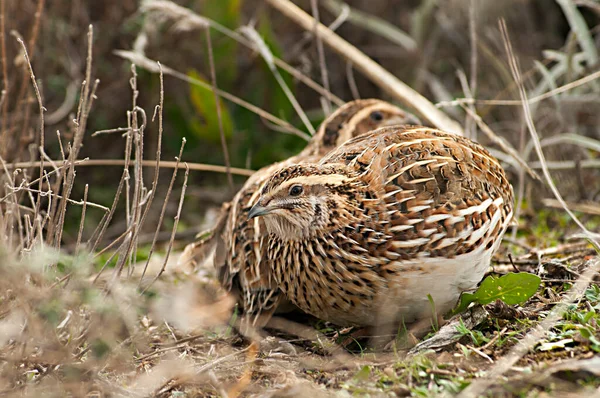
point(65, 328)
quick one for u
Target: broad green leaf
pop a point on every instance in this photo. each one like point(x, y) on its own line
point(592, 294)
point(588, 316)
point(206, 126)
point(585, 333)
point(513, 288)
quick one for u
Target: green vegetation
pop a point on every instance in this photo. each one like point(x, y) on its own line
point(510, 288)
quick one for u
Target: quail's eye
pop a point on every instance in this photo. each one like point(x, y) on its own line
point(296, 190)
point(376, 116)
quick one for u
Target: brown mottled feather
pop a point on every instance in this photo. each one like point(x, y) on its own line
point(384, 220)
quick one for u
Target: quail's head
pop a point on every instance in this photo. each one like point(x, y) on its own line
point(304, 201)
point(357, 118)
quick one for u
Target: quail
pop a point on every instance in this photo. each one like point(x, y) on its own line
point(238, 244)
point(385, 224)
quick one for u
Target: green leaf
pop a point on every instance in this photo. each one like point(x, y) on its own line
point(513, 288)
point(363, 374)
point(592, 294)
point(202, 235)
point(588, 333)
point(465, 300)
point(588, 316)
point(207, 124)
point(585, 333)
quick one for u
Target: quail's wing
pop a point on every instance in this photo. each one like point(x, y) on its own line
point(444, 195)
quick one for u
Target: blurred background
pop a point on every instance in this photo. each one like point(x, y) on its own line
point(444, 49)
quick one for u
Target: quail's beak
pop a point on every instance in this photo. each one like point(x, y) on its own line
point(258, 210)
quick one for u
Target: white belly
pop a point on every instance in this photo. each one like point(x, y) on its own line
point(444, 279)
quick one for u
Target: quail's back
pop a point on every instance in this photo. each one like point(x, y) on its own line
point(390, 217)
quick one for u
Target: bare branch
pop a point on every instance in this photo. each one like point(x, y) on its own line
point(213, 79)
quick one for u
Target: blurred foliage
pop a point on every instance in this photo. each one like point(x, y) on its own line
point(201, 125)
point(205, 125)
point(227, 13)
point(561, 36)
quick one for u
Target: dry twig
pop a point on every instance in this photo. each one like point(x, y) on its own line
point(186, 19)
point(322, 62)
point(370, 68)
point(213, 79)
point(146, 163)
point(150, 66)
point(162, 212)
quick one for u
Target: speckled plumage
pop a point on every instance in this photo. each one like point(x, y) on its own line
point(363, 236)
point(239, 244)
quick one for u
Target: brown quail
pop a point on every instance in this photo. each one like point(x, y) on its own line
point(239, 244)
point(366, 234)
